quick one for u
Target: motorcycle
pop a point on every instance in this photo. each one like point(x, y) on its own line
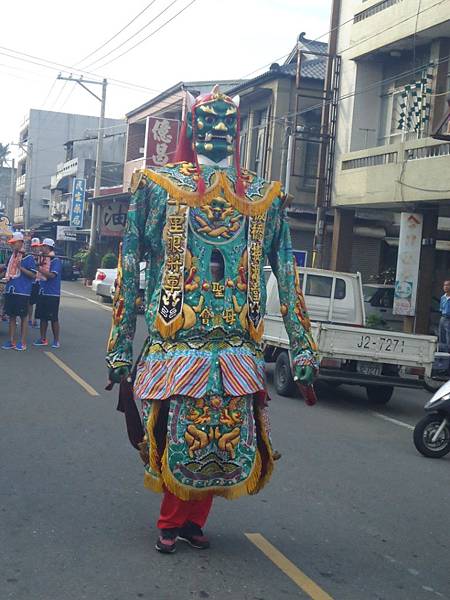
point(432, 433)
point(439, 373)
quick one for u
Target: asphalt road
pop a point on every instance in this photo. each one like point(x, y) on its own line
point(352, 506)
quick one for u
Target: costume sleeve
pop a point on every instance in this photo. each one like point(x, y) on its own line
point(292, 302)
point(142, 241)
point(120, 344)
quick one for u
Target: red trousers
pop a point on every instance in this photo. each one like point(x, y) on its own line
point(175, 512)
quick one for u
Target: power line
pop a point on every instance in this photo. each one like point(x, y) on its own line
point(117, 33)
point(131, 36)
point(150, 34)
point(54, 66)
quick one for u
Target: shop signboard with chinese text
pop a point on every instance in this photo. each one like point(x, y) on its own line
point(161, 141)
point(77, 202)
point(113, 216)
point(65, 234)
point(407, 276)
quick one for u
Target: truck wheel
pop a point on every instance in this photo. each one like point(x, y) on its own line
point(379, 394)
point(283, 380)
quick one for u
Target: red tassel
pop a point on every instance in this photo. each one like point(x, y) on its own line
point(240, 187)
point(201, 186)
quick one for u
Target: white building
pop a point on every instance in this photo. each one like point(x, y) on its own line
point(42, 137)
point(393, 88)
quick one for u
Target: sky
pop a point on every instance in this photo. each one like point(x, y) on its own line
point(210, 39)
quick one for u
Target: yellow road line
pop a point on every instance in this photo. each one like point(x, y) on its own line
point(306, 584)
point(71, 373)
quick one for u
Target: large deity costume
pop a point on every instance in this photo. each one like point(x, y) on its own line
point(206, 230)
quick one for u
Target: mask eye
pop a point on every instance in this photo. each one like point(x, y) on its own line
point(209, 119)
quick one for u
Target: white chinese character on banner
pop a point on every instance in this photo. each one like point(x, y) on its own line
point(161, 131)
point(161, 157)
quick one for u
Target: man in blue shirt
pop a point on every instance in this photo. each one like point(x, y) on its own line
point(47, 308)
point(444, 323)
point(20, 274)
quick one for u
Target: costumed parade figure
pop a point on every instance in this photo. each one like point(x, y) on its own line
point(206, 230)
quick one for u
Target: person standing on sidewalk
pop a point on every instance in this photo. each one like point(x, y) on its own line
point(444, 323)
point(20, 273)
point(35, 247)
point(47, 308)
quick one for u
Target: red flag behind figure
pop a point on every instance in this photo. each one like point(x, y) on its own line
point(184, 151)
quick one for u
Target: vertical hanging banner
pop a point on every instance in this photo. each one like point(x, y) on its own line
point(407, 276)
point(77, 203)
point(161, 141)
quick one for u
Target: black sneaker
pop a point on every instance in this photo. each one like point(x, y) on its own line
point(193, 535)
point(167, 541)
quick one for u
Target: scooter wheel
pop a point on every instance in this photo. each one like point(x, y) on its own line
point(423, 435)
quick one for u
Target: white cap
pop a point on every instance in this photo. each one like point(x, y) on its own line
point(48, 242)
point(17, 236)
point(35, 242)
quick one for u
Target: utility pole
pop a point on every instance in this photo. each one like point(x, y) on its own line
point(12, 193)
point(324, 154)
point(99, 158)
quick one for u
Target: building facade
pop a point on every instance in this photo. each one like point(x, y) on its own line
point(42, 137)
point(80, 162)
point(280, 124)
point(7, 191)
point(394, 84)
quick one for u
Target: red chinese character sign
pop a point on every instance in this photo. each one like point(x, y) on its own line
point(162, 138)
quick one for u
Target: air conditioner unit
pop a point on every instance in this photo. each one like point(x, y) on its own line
point(45, 201)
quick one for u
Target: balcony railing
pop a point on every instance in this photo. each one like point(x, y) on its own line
point(20, 182)
point(427, 152)
point(410, 171)
point(370, 161)
point(375, 9)
point(70, 167)
point(18, 214)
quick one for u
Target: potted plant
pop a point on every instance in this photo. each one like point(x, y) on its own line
point(109, 261)
point(90, 266)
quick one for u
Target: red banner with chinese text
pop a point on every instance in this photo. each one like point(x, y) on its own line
point(162, 139)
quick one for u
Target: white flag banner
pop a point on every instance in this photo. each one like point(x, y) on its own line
point(407, 276)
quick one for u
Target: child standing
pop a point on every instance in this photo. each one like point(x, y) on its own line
point(47, 308)
point(20, 274)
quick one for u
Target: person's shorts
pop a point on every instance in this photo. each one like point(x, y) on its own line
point(34, 293)
point(16, 305)
point(47, 308)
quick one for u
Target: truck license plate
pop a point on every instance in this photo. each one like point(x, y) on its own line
point(381, 344)
point(368, 368)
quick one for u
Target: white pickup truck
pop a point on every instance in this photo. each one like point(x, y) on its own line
point(348, 352)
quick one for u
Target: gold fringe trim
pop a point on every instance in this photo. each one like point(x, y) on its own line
point(248, 487)
point(263, 480)
point(220, 185)
point(154, 460)
point(168, 330)
point(152, 483)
